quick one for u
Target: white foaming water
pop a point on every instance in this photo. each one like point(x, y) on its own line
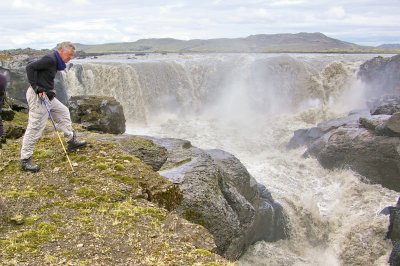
point(333, 215)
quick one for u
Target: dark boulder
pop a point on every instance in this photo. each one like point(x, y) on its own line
point(393, 123)
point(145, 149)
point(375, 157)
point(13, 130)
point(16, 105)
point(303, 137)
point(18, 82)
point(381, 76)
point(367, 142)
point(220, 194)
point(386, 105)
point(98, 113)
point(7, 114)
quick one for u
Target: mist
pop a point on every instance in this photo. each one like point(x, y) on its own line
point(250, 105)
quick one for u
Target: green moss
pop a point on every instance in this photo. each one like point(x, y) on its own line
point(43, 153)
point(18, 219)
point(32, 219)
point(127, 209)
point(125, 179)
point(203, 252)
point(101, 166)
point(21, 194)
point(81, 158)
point(194, 217)
point(80, 205)
point(182, 162)
point(100, 208)
point(127, 158)
point(20, 119)
point(84, 219)
point(119, 167)
point(57, 217)
point(85, 180)
point(48, 191)
point(67, 254)
point(85, 192)
point(138, 142)
point(30, 240)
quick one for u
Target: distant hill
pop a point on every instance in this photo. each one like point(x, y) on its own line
point(389, 46)
point(286, 42)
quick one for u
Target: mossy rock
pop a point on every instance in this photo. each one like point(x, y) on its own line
point(114, 215)
point(144, 149)
point(98, 113)
point(15, 128)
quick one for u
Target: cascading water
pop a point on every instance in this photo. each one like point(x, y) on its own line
point(250, 105)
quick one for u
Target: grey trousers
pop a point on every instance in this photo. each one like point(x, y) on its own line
point(37, 121)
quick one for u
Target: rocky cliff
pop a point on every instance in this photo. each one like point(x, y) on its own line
point(366, 141)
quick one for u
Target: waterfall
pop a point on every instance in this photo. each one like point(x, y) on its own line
point(229, 84)
point(250, 105)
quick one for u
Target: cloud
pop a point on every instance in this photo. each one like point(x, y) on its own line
point(30, 5)
point(40, 23)
point(336, 12)
point(287, 2)
point(81, 2)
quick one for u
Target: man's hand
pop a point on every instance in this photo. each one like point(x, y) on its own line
point(39, 89)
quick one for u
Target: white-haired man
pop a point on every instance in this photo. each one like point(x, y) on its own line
point(41, 74)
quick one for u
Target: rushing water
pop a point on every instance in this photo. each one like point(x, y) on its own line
point(250, 105)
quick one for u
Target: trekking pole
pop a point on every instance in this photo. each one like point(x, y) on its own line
point(55, 129)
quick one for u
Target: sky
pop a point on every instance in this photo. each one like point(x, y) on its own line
point(41, 24)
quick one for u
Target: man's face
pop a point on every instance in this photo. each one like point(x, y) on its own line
point(66, 55)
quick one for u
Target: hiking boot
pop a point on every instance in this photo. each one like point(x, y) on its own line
point(28, 166)
point(74, 143)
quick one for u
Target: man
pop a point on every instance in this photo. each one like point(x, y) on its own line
point(3, 85)
point(41, 74)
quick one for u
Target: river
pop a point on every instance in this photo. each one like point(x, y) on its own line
point(250, 105)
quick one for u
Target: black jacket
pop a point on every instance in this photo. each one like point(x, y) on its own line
point(3, 85)
point(42, 72)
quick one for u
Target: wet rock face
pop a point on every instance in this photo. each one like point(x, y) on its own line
point(381, 75)
point(366, 141)
point(220, 194)
point(367, 144)
point(98, 113)
point(384, 105)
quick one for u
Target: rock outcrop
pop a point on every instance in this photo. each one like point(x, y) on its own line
point(367, 144)
point(217, 191)
point(366, 141)
point(98, 113)
point(115, 210)
point(220, 194)
point(381, 76)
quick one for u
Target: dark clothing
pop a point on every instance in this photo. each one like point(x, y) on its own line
point(394, 259)
point(393, 232)
point(41, 74)
point(3, 85)
point(1, 120)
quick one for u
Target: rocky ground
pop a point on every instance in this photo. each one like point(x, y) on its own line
point(114, 210)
